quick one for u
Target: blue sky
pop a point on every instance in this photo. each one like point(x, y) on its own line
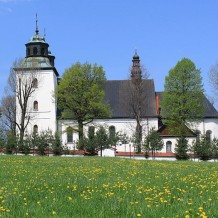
point(107, 32)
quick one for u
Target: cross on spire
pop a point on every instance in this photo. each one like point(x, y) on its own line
point(37, 30)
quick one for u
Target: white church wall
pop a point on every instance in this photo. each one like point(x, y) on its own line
point(173, 141)
point(209, 124)
point(123, 126)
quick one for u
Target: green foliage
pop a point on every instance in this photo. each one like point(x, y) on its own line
point(203, 148)
point(56, 144)
point(90, 142)
point(2, 139)
point(183, 97)
point(98, 141)
point(153, 142)
point(102, 141)
point(25, 145)
point(182, 148)
point(11, 143)
point(114, 136)
point(81, 94)
point(41, 142)
point(215, 148)
point(136, 139)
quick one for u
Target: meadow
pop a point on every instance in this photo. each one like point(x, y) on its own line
point(106, 187)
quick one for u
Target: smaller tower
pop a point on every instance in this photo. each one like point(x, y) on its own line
point(136, 73)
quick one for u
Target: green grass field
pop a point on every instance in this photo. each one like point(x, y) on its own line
point(106, 187)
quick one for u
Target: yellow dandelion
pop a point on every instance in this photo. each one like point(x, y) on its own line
point(53, 212)
point(138, 214)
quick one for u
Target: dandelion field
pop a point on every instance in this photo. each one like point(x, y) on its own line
point(106, 187)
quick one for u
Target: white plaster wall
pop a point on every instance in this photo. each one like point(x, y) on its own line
point(209, 124)
point(45, 117)
point(62, 128)
point(174, 141)
point(126, 126)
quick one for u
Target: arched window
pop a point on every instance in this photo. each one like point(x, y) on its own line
point(208, 135)
point(35, 129)
point(169, 146)
point(42, 51)
point(28, 51)
point(91, 132)
point(198, 135)
point(35, 83)
point(69, 135)
point(112, 131)
point(35, 106)
point(35, 50)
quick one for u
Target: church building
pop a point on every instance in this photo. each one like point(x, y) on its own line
point(39, 67)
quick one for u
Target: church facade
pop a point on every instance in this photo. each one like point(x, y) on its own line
point(39, 67)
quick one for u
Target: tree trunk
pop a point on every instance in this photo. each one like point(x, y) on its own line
point(138, 136)
point(80, 130)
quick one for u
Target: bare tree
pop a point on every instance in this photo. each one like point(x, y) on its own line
point(213, 79)
point(135, 95)
point(22, 83)
point(135, 106)
point(8, 110)
point(213, 76)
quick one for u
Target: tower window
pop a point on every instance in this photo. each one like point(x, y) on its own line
point(35, 106)
point(35, 50)
point(28, 51)
point(35, 83)
point(42, 51)
point(35, 129)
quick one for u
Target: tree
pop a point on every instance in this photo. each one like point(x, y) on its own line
point(183, 97)
point(56, 144)
point(81, 94)
point(89, 143)
point(182, 148)
point(102, 141)
point(8, 108)
point(203, 148)
point(11, 143)
point(114, 136)
point(215, 148)
point(213, 78)
point(153, 142)
point(134, 100)
point(20, 87)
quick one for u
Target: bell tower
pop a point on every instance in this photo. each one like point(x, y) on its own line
point(38, 66)
point(136, 73)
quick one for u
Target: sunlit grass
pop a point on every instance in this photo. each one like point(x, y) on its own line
point(106, 187)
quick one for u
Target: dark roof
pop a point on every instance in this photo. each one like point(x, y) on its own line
point(209, 109)
point(164, 131)
point(117, 95)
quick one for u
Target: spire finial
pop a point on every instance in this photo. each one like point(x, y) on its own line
point(44, 33)
point(37, 30)
point(135, 51)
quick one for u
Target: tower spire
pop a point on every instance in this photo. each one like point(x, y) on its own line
point(136, 73)
point(37, 30)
